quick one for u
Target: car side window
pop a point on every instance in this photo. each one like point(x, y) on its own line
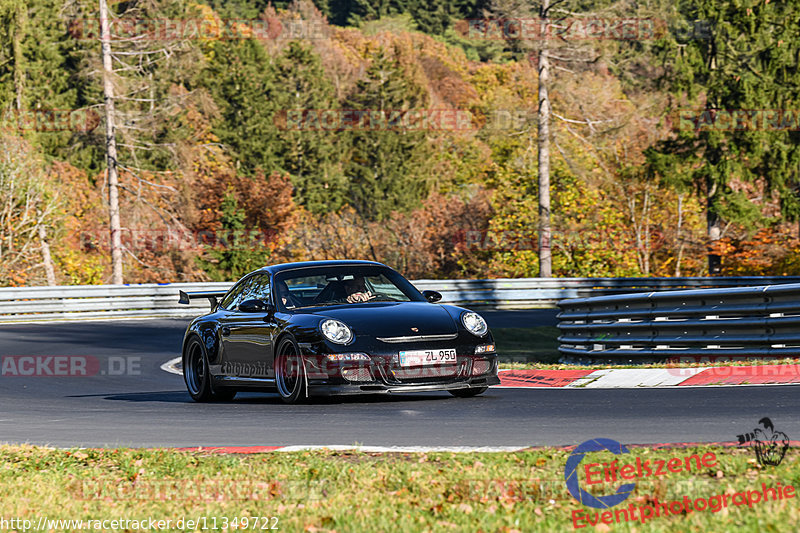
point(227, 302)
point(239, 293)
point(260, 288)
point(246, 292)
point(257, 288)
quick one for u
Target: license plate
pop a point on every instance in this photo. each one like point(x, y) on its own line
point(427, 357)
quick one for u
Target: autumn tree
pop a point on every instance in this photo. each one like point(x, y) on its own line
point(256, 214)
point(26, 205)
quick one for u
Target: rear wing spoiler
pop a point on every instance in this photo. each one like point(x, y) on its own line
point(186, 297)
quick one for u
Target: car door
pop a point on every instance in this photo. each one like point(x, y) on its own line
point(227, 314)
point(248, 337)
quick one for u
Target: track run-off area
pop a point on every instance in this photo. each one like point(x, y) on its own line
point(127, 399)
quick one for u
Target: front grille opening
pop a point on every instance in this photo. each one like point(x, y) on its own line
point(423, 374)
point(481, 366)
point(357, 375)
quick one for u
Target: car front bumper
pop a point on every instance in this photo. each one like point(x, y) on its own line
point(383, 374)
point(329, 389)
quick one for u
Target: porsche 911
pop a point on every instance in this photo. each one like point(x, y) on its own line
point(333, 328)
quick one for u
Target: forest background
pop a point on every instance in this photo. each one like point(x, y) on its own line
point(252, 133)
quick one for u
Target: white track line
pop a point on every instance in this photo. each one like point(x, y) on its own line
point(171, 366)
point(407, 449)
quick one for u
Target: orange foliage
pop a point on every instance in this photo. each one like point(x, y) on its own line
point(772, 251)
point(425, 243)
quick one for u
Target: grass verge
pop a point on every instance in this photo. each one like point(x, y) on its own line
point(356, 491)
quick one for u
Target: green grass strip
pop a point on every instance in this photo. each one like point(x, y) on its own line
point(356, 491)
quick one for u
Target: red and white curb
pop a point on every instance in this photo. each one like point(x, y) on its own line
point(631, 378)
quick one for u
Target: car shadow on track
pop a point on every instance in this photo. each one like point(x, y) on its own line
point(250, 398)
point(159, 396)
point(267, 398)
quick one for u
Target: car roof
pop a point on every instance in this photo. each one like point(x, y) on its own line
point(274, 269)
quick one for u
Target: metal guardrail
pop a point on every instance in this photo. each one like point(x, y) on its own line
point(100, 301)
point(524, 293)
point(736, 322)
point(111, 301)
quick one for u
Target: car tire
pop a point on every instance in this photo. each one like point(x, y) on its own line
point(468, 393)
point(290, 372)
point(197, 377)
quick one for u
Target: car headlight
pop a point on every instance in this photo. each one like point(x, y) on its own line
point(336, 331)
point(474, 323)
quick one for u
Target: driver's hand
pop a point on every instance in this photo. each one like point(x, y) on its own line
point(359, 297)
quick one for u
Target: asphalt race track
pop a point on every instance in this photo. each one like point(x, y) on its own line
point(130, 401)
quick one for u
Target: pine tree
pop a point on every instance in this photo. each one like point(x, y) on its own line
point(241, 79)
point(386, 166)
point(748, 62)
point(436, 18)
point(310, 156)
point(358, 11)
point(37, 67)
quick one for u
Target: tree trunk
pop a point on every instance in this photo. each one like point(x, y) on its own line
point(646, 222)
point(714, 232)
point(21, 21)
point(47, 260)
point(545, 259)
point(111, 149)
point(679, 237)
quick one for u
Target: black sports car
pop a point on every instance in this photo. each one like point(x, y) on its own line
point(334, 327)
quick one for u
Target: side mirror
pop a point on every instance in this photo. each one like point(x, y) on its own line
point(432, 296)
point(255, 306)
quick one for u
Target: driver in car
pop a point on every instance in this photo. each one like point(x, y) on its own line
point(285, 296)
point(357, 290)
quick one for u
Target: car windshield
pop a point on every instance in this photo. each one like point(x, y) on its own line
point(341, 285)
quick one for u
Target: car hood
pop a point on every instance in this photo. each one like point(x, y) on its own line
point(394, 319)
